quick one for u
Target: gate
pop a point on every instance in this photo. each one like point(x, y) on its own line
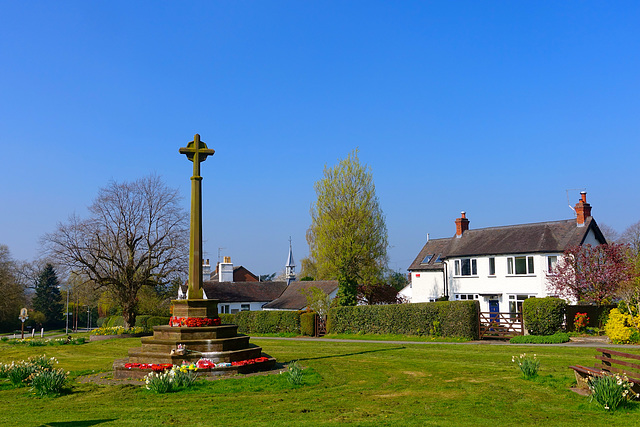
point(320, 325)
point(500, 325)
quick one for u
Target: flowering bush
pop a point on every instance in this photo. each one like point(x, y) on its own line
point(528, 365)
point(38, 372)
point(194, 322)
point(48, 382)
point(295, 373)
point(172, 380)
point(580, 321)
point(118, 330)
point(620, 329)
point(610, 390)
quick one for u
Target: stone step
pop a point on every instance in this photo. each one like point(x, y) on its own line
point(137, 355)
point(152, 344)
point(187, 333)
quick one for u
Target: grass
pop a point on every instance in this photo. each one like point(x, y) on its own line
point(360, 383)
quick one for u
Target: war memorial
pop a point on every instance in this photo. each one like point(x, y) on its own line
point(195, 335)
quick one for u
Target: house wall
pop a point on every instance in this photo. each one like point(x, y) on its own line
point(234, 307)
point(425, 286)
point(502, 286)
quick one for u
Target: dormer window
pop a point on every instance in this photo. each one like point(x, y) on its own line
point(438, 259)
point(427, 259)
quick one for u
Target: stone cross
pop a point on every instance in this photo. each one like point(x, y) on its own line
point(196, 152)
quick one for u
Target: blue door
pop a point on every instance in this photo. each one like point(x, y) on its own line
point(494, 309)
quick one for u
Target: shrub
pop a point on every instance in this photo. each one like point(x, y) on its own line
point(141, 321)
point(114, 321)
point(101, 321)
point(610, 390)
point(448, 318)
point(308, 324)
point(47, 382)
point(227, 318)
point(620, 329)
point(528, 365)
point(556, 338)
point(543, 316)
point(157, 321)
point(267, 322)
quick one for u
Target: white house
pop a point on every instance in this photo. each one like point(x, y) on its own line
point(498, 266)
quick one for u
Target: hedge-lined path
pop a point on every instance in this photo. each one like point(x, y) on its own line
point(484, 342)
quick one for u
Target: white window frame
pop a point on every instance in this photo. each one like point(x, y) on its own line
point(473, 267)
point(528, 263)
point(552, 262)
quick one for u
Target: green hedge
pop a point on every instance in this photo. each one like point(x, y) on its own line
point(447, 319)
point(264, 322)
point(308, 324)
point(141, 320)
point(157, 321)
point(556, 338)
point(543, 316)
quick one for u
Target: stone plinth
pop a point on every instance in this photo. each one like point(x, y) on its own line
point(216, 343)
point(195, 308)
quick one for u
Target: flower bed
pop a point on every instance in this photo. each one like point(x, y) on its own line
point(194, 322)
point(157, 367)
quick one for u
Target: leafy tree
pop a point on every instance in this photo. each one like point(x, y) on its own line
point(348, 236)
point(397, 280)
point(136, 235)
point(317, 300)
point(12, 297)
point(591, 274)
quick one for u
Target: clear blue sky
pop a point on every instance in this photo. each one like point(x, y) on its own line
point(495, 108)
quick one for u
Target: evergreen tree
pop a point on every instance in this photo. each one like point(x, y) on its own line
point(47, 298)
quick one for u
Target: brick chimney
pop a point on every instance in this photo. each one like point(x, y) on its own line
point(462, 224)
point(583, 209)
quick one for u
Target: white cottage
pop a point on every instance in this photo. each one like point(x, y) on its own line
point(498, 266)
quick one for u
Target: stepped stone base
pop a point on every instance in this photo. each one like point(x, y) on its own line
point(217, 343)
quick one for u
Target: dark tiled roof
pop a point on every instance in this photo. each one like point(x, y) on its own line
point(436, 248)
point(243, 291)
point(293, 299)
point(554, 236)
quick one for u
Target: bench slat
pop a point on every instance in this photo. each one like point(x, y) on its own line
point(619, 353)
point(608, 360)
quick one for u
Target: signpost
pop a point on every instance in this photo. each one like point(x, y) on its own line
point(23, 316)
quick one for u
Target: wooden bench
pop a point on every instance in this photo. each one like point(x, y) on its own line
point(611, 361)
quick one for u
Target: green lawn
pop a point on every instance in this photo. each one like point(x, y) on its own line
point(361, 383)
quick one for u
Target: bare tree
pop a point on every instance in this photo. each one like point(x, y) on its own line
point(631, 236)
point(136, 235)
point(609, 233)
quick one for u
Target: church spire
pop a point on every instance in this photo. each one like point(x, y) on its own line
point(290, 268)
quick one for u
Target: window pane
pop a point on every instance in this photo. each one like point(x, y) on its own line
point(521, 265)
point(457, 267)
point(492, 266)
point(474, 267)
point(551, 262)
point(509, 265)
point(530, 264)
point(466, 267)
